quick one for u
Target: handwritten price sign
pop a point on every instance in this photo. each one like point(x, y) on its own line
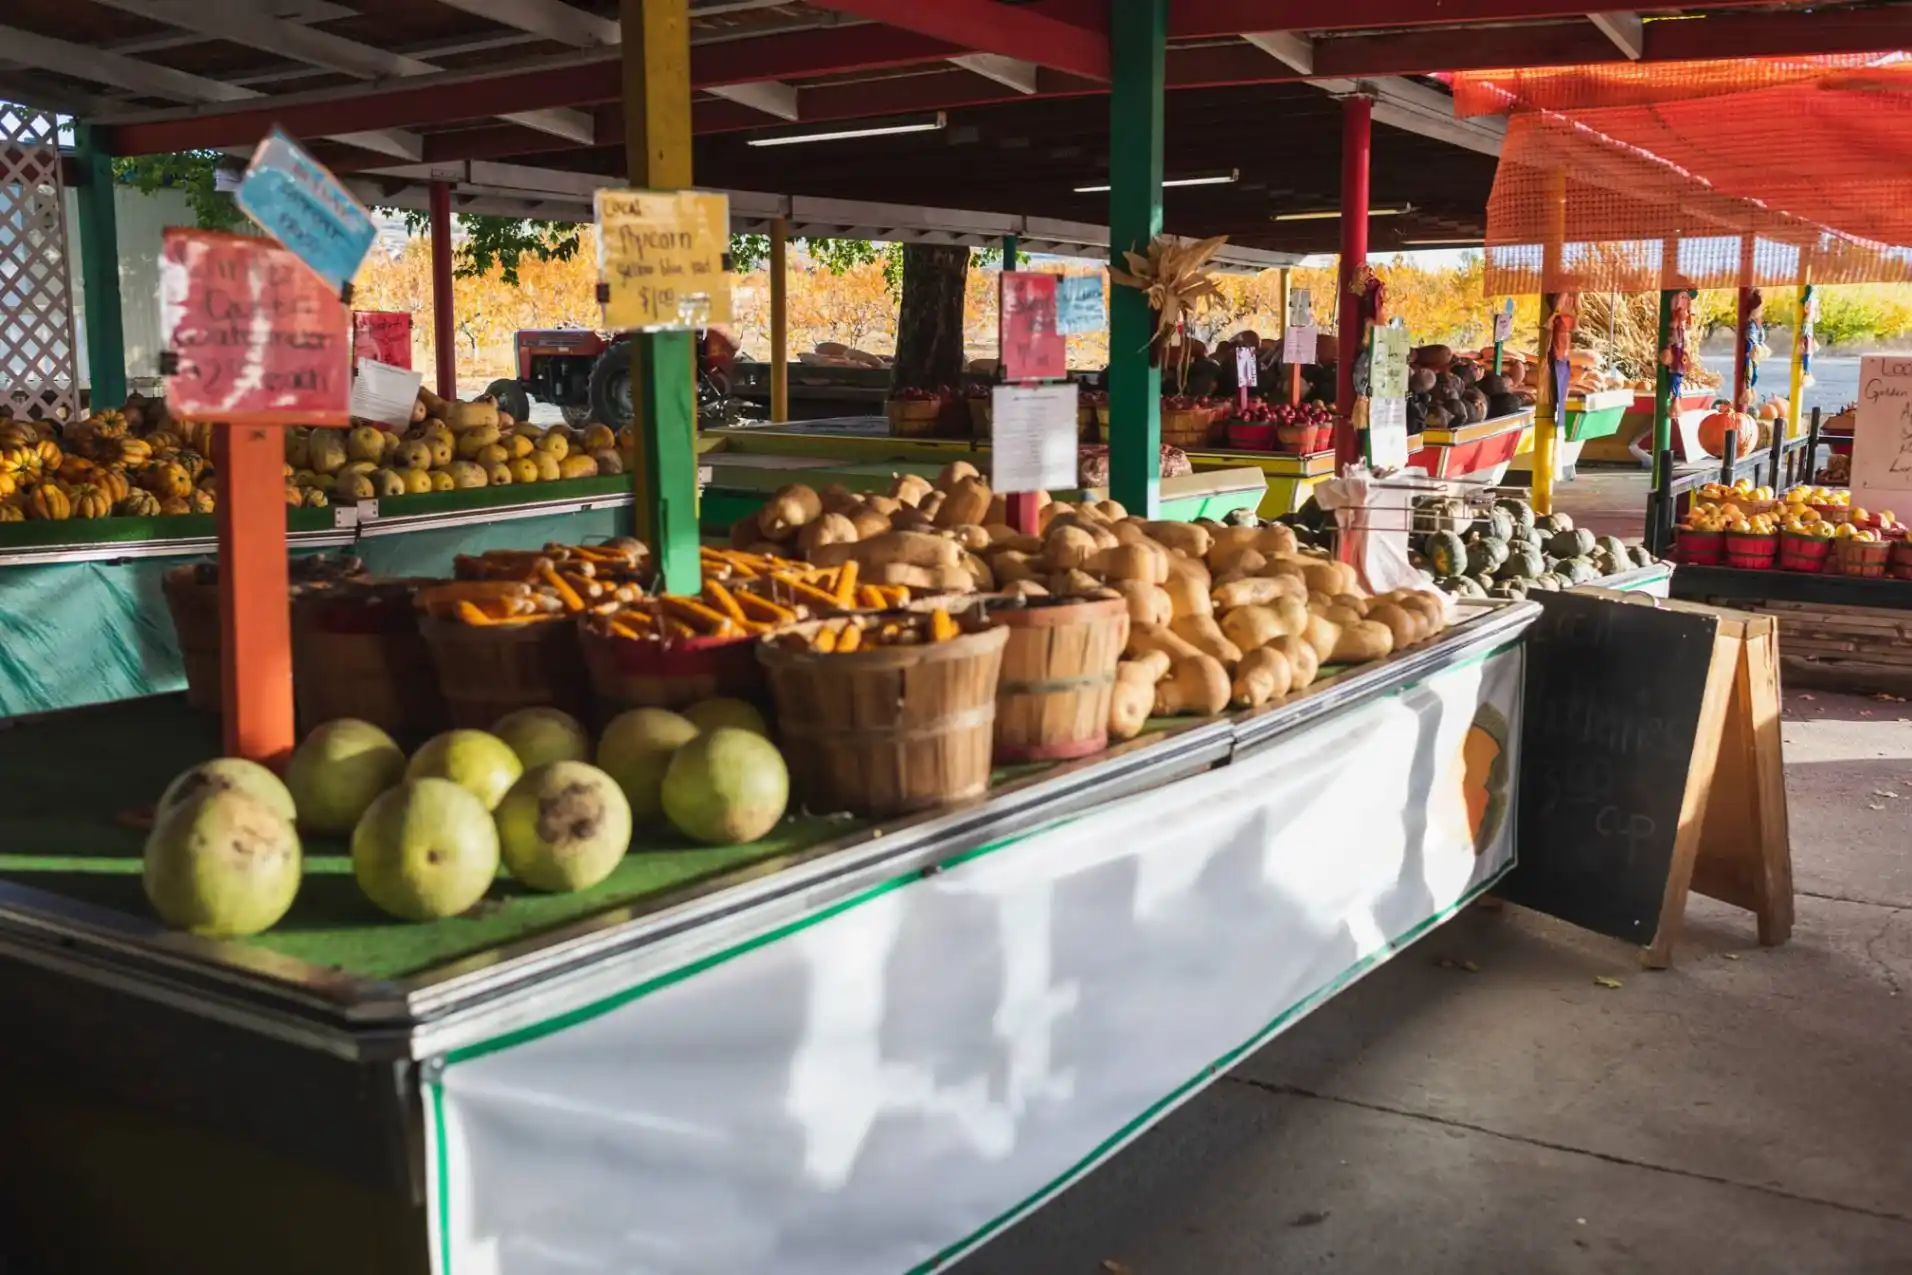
point(293, 196)
point(1033, 347)
point(661, 259)
point(254, 336)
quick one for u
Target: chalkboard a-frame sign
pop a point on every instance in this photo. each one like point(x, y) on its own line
point(1649, 765)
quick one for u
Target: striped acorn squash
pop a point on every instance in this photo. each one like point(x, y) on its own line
point(49, 504)
point(91, 502)
point(137, 504)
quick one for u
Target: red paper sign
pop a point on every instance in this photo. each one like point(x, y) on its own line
point(252, 335)
point(383, 336)
point(1032, 347)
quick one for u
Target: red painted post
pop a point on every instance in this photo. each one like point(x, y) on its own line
point(444, 334)
point(1357, 118)
point(255, 624)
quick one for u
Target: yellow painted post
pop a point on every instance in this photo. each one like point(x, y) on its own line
point(1795, 404)
point(1547, 402)
point(779, 320)
point(656, 82)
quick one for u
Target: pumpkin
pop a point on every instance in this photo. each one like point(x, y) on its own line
point(130, 453)
point(1713, 432)
point(49, 504)
point(50, 455)
point(294, 496)
point(170, 505)
point(12, 513)
point(168, 479)
point(17, 458)
point(202, 501)
point(193, 462)
point(14, 434)
point(161, 440)
point(198, 436)
point(109, 424)
point(77, 470)
point(91, 502)
point(137, 504)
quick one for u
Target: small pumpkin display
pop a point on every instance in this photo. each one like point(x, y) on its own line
point(1713, 432)
point(137, 504)
point(201, 501)
point(49, 503)
point(91, 501)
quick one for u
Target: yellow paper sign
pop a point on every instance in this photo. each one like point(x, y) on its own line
point(661, 258)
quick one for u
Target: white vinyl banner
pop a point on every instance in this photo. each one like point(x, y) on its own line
point(882, 1085)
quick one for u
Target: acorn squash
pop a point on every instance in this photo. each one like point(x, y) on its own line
point(49, 503)
point(137, 504)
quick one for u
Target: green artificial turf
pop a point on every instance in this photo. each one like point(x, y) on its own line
point(71, 777)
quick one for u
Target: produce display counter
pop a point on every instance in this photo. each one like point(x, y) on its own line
point(747, 463)
point(1588, 417)
point(1637, 421)
point(1836, 632)
point(848, 1048)
point(1291, 478)
point(82, 620)
point(1480, 452)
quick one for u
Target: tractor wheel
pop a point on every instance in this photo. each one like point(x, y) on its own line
point(611, 402)
point(512, 399)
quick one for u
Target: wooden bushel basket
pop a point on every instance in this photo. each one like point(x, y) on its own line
point(195, 611)
point(913, 417)
point(1058, 674)
point(887, 730)
point(356, 657)
point(629, 673)
point(486, 671)
point(1186, 427)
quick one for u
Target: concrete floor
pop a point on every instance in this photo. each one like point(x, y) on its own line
point(1747, 1111)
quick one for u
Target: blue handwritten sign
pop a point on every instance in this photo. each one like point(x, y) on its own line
point(1079, 305)
point(295, 199)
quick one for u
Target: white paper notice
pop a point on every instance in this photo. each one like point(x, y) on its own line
point(381, 392)
point(1504, 323)
point(1246, 367)
point(1298, 346)
point(1300, 308)
point(1387, 433)
point(1032, 439)
point(1882, 434)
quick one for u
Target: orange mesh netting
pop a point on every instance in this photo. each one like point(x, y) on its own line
point(1745, 172)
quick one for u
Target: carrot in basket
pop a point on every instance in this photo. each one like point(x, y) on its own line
point(560, 586)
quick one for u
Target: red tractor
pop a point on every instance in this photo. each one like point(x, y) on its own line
point(587, 374)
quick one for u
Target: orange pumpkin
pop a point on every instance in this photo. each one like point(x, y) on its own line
point(175, 505)
point(113, 483)
point(201, 500)
point(134, 452)
point(17, 459)
point(76, 469)
point(50, 456)
point(160, 440)
point(1713, 432)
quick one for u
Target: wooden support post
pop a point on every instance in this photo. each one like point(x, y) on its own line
point(444, 330)
point(1011, 252)
point(1796, 390)
point(779, 319)
point(99, 260)
point(1357, 136)
point(1663, 409)
point(1138, 44)
point(1550, 404)
point(255, 626)
point(1741, 397)
point(656, 53)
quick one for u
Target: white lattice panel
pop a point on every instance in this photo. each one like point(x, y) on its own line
point(38, 366)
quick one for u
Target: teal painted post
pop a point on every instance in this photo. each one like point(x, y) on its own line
point(667, 513)
point(1138, 40)
point(1011, 251)
point(99, 272)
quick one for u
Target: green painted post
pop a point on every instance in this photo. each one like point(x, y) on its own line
point(1011, 251)
point(1662, 420)
point(99, 272)
point(1138, 40)
point(667, 402)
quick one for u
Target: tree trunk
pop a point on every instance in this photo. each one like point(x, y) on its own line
point(929, 331)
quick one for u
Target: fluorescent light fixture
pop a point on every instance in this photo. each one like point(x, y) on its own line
point(1228, 178)
point(1332, 213)
point(887, 128)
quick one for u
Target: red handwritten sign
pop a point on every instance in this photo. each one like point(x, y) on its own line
point(253, 336)
point(383, 336)
point(1033, 349)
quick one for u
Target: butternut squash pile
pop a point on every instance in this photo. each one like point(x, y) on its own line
point(1219, 616)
